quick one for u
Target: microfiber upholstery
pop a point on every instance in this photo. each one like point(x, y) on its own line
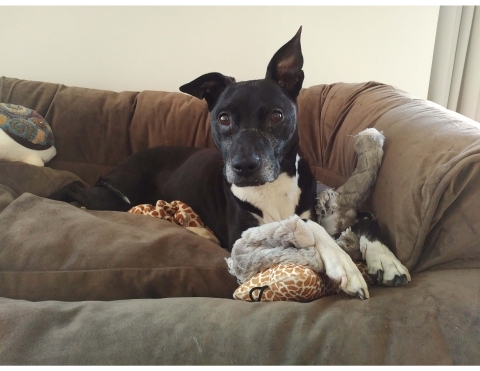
point(169, 119)
point(40, 181)
point(403, 326)
point(102, 287)
point(55, 251)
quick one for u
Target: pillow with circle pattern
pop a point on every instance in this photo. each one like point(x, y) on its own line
point(25, 135)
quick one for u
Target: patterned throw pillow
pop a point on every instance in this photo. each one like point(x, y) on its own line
point(25, 126)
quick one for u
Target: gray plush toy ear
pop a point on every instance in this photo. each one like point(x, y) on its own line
point(208, 87)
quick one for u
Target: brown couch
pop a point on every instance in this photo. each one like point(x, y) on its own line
point(100, 287)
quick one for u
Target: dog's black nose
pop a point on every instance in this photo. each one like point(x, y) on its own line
point(245, 165)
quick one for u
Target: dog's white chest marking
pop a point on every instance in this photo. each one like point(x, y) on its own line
point(276, 200)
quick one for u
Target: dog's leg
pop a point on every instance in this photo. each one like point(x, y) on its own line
point(338, 265)
point(73, 192)
point(381, 262)
point(92, 198)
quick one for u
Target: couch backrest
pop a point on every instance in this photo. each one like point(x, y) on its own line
point(95, 129)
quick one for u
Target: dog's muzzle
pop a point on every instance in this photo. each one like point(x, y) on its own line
point(251, 161)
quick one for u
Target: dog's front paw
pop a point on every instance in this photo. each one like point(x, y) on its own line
point(339, 267)
point(382, 264)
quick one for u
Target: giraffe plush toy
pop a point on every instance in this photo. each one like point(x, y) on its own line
point(291, 282)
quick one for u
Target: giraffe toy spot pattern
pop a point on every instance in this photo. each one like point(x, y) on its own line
point(291, 282)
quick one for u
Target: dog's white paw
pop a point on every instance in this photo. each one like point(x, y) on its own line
point(339, 267)
point(383, 264)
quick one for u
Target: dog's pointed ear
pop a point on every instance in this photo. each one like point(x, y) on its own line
point(208, 87)
point(285, 68)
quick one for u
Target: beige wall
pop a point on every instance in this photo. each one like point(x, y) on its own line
point(160, 48)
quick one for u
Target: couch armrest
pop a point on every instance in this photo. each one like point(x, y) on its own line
point(426, 194)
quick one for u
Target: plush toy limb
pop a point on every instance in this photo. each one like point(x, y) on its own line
point(328, 211)
point(286, 241)
point(369, 147)
point(337, 209)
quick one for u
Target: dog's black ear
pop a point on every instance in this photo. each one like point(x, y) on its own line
point(286, 66)
point(208, 87)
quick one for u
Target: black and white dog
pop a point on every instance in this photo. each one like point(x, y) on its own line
point(255, 176)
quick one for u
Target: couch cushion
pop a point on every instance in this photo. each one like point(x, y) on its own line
point(433, 320)
point(51, 250)
point(54, 251)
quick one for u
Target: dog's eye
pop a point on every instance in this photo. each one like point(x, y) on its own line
point(276, 116)
point(224, 119)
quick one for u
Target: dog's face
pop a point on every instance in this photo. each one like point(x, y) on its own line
point(254, 126)
point(254, 123)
